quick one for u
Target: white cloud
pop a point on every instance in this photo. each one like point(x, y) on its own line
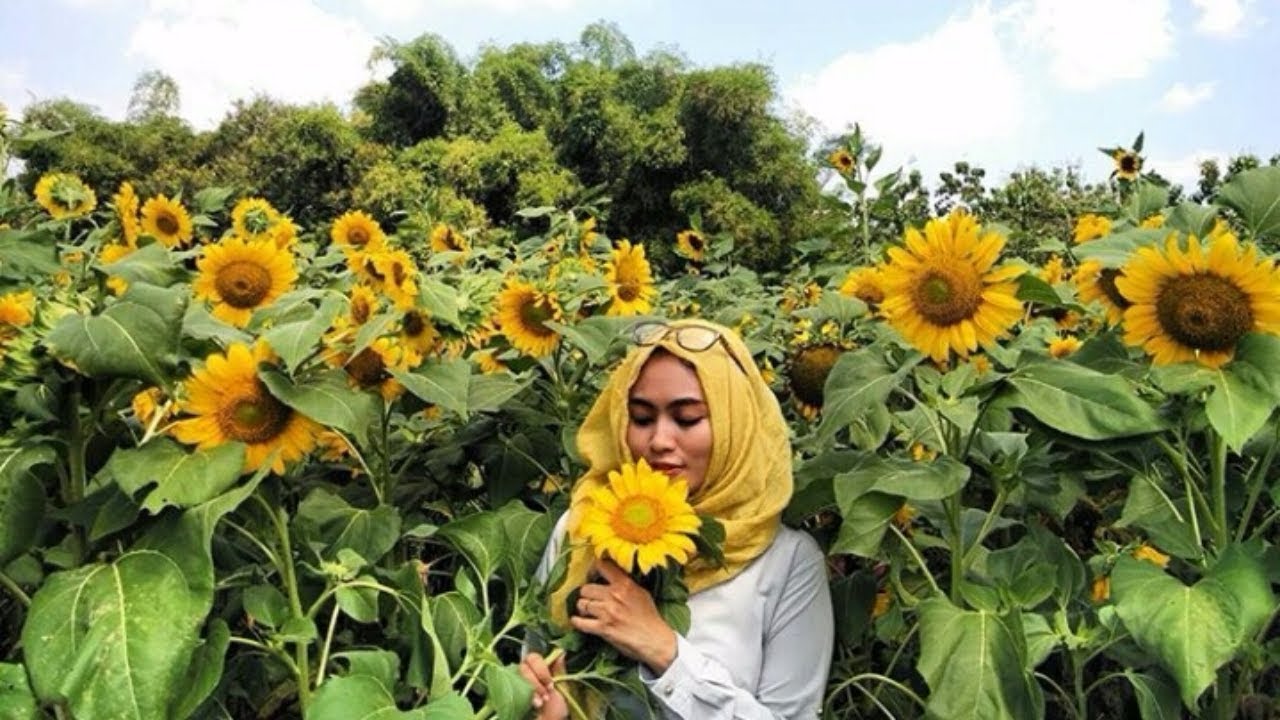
point(410, 9)
point(1222, 18)
point(13, 89)
point(1182, 97)
point(1185, 170)
point(222, 50)
point(1093, 43)
point(947, 95)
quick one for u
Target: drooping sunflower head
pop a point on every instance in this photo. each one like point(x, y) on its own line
point(17, 309)
point(523, 312)
point(394, 273)
point(488, 363)
point(807, 374)
point(229, 403)
point(692, 244)
point(866, 284)
point(1128, 164)
point(1061, 347)
point(167, 221)
point(252, 218)
point(446, 239)
point(630, 281)
point(239, 277)
point(1096, 283)
point(126, 204)
point(1090, 227)
point(842, 160)
point(641, 519)
point(65, 196)
point(357, 230)
point(942, 293)
point(1194, 305)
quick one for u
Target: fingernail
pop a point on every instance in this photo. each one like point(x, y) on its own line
point(537, 701)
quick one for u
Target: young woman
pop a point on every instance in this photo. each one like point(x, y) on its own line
point(689, 400)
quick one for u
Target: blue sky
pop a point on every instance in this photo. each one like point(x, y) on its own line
point(1003, 83)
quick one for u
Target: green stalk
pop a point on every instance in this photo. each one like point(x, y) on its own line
point(328, 642)
point(957, 546)
point(1257, 478)
point(75, 446)
point(8, 584)
point(1218, 486)
point(280, 520)
point(997, 506)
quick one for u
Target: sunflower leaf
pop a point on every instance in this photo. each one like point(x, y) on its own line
point(328, 400)
point(21, 498)
point(858, 382)
point(151, 264)
point(181, 478)
point(295, 341)
point(1080, 402)
point(126, 340)
point(16, 700)
point(1113, 251)
point(1255, 194)
point(441, 382)
point(1246, 391)
point(440, 300)
point(1192, 218)
point(28, 254)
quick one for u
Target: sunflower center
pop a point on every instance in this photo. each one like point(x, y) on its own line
point(870, 294)
point(451, 240)
point(360, 310)
point(243, 284)
point(695, 242)
point(809, 371)
point(367, 368)
point(947, 295)
point(1204, 312)
point(414, 325)
point(398, 273)
point(1129, 163)
point(628, 291)
point(639, 519)
point(358, 236)
point(1107, 281)
point(254, 418)
point(167, 223)
point(534, 315)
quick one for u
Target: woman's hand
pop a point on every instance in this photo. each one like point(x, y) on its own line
point(547, 701)
point(624, 615)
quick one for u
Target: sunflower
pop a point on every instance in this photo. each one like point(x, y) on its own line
point(417, 333)
point(1128, 164)
point(522, 314)
point(883, 602)
point(1100, 590)
point(865, 284)
point(370, 369)
point(364, 302)
point(1053, 271)
point(942, 293)
point(1151, 555)
point(446, 239)
point(487, 363)
point(1153, 222)
point(357, 230)
point(230, 404)
point(1195, 305)
point(588, 235)
point(238, 277)
point(110, 253)
point(393, 272)
point(1096, 283)
point(641, 519)
point(284, 233)
point(17, 309)
point(808, 373)
point(1090, 227)
point(65, 196)
point(126, 204)
point(253, 218)
point(691, 244)
point(149, 405)
point(842, 160)
point(1061, 347)
point(630, 281)
point(167, 221)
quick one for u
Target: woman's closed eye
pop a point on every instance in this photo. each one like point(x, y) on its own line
point(689, 421)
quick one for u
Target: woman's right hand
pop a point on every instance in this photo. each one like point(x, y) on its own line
point(548, 703)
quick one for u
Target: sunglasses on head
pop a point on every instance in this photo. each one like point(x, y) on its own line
point(694, 338)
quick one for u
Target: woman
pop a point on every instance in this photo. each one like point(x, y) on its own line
point(690, 402)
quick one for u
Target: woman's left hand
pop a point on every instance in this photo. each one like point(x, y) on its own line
point(624, 615)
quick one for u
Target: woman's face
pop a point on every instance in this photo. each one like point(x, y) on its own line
point(668, 424)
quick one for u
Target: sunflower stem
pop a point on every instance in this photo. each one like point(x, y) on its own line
point(1218, 486)
point(8, 584)
point(957, 546)
point(281, 521)
point(1257, 478)
point(328, 643)
point(916, 554)
point(75, 446)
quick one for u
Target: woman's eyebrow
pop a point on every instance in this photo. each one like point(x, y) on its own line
point(677, 403)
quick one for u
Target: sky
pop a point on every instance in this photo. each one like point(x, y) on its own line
point(1001, 83)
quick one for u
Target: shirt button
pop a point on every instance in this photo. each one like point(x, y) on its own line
point(667, 690)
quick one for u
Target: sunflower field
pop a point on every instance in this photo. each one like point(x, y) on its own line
point(256, 467)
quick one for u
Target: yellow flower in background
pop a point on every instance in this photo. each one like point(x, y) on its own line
point(641, 519)
point(921, 453)
point(370, 369)
point(882, 604)
point(65, 196)
point(239, 277)
point(865, 284)
point(691, 244)
point(1053, 271)
point(1128, 164)
point(980, 363)
point(149, 405)
point(588, 236)
point(487, 363)
point(807, 375)
point(630, 281)
point(1151, 555)
point(363, 303)
point(127, 207)
point(1100, 591)
point(17, 309)
point(417, 333)
point(1061, 347)
point(167, 221)
point(1096, 283)
point(284, 233)
point(252, 218)
point(110, 253)
point(230, 404)
point(393, 272)
point(842, 160)
point(1153, 222)
point(1090, 227)
point(904, 516)
point(522, 313)
point(1194, 305)
point(446, 239)
point(331, 446)
point(942, 293)
point(357, 230)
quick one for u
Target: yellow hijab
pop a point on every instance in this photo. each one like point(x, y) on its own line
point(748, 482)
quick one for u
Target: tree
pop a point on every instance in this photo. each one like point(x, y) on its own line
point(420, 97)
point(155, 95)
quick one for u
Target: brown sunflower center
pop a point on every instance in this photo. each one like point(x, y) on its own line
point(1129, 163)
point(398, 273)
point(809, 370)
point(1107, 282)
point(1204, 312)
point(414, 324)
point(696, 242)
point(358, 236)
point(254, 418)
point(639, 519)
point(360, 310)
point(534, 313)
point(947, 295)
point(243, 284)
point(628, 291)
point(167, 223)
point(870, 294)
point(451, 240)
point(367, 368)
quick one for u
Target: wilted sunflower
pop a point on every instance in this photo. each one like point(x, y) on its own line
point(167, 221)
point(842, 160)
point(17, 309)
point(641, 519)
point(252, 218)
point(65, 196)
point(1061, 347)
point(150, 405)
point(630, 281)
point(446, 239)
point(942, 293)
point(691, 244)
point(1096, 283)
point(522, 314)
point(1195, 305)
point(357, 230)
point(239, 277)
point(231, 404)
point(866, 284)
point(807, 373)
point(1090, 227)
point(1128, 164)
point(393, 272)
point(126, 204)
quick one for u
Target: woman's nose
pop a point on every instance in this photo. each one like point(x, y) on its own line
point(664, 436)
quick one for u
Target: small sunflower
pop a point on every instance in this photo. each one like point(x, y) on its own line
point(17, 309)
point(942, 293)
point(167, 221)
point(393, 272)
point(487, 363)
point(842, 160)
point(127, 204)
point(865, 284)
point(446, 239)
point(1196, 304)
point(1151, 555)
point(230, 404)
point(1054, 271)
point(253, 218)
point(692, 244)
point(883, 602)
point(1100, 590)
point(110, 253)
point(357, 230)
point(641, 519)
point(364, 303)
point(522, 314)
point(1061, 347)
point(1096, 283)
point(417, 333)
point(239, 277)
point(588, 236)
point(370, 369)
point(150, 405)
point(808, 373)
point(630, 281)
point(1153, 222)
point(1128, 165)
point(1090, 227)
point(65, 196)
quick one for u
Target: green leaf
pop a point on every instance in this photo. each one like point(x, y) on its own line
point(453, 617)
point(864, 523)
point(1114, 250)
point(449, 706)
point(357, 697)
point(329, 519)
point(1246, 391)
point(170, 303)
point(858, 382)
point(126, 340)
point(151, 264)
point(28, 254)
point(205, 669)
point(359, 603)
point(212, 199)
point(487, 393)
point(440, 382)
point(1146, 200)
point(975, 664)
point(1080, 402)
point(296, 341)
point(200, 324)
point(266, 605)
point(508, 693)
point(525, 534)
point(16, 700)
point(934, 480)
point(182, 479)
point(381, 664)
point(1150, 507)
point(440, 300)
point(597, 335)
point(481, 540)
point(328, 400)
point(1157, 697)
point(21, 499)
point(1255, 195)
point(1192, 218)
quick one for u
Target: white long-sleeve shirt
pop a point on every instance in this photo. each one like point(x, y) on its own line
point(759, 644)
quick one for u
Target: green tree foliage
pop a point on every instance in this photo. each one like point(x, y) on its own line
point(155, 95)
point(421, 96)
